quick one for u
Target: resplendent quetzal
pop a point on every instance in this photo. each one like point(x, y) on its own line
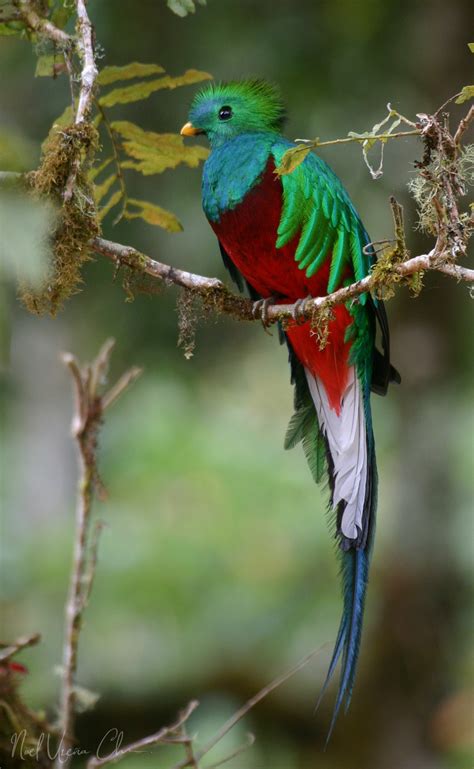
point(289, 237)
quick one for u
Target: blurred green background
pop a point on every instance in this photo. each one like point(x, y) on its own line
point(216, 569)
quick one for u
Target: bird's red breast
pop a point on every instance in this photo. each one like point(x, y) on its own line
point(248, 234)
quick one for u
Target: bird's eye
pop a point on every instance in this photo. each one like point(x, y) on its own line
point(225, 113)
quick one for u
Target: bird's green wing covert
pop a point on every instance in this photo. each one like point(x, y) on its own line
point(317, 207)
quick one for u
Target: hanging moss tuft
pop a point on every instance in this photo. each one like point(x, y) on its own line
point(68, 151)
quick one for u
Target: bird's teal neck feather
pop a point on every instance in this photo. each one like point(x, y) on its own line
point(233, 168)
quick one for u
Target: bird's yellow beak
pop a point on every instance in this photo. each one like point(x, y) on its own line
point(189, 130)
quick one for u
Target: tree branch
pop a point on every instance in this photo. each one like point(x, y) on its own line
point(90, 405)
point(85, 46)
point(135, 259)
point(42, 26)
point(11, 179)
point(10, 650)
point(89, 72)
point(233, 304)
point(159, 738)
point(245, 709)
point(176, 733)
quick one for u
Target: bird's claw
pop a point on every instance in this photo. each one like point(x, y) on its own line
point(260, 310)
point(298, 312)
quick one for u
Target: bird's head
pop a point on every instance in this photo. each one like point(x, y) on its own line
point(222, 111)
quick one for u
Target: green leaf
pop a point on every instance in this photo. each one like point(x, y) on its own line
point(153, 215)
point(144, 89)
point(101, 190)
point(50, 65)
point(110, 75)
point(65, 118)
point(11, 28)
point(183, 7)
point(368, 138)
point(466, 94)
point(471, 47)
point(62, 14)
point(152, 153)
point(94, 172)
point(112, 201)
point(292, 159)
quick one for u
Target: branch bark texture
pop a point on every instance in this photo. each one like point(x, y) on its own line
point(90, 405)
point(233, 304)
point(42, 26)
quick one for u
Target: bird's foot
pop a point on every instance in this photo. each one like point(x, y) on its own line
point(298, 312)
point(260, 310)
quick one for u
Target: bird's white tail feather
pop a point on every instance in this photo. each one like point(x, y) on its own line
point(346, 436)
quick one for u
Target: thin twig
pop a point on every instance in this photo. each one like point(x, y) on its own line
point(160, 737)
point(88, 381)
point(75, 604)
point(120, 386)
point(314, 144)
point(235, 753)
point(464, 125)
point(242, 712)
point(10, 650)
point(188, 746)
point(11, 179)
point(89, 575)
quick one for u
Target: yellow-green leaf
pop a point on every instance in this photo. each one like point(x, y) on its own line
point(94, 172)
point(471, 47)
point(144, 89)
point(50, 65)
point(153, 215)
point(110, 75)
point(65, 117)
point(12, 28)
point(112, 201)
point(101, 190)
point(152, 153)
point(466, 94)
point(292, 159)
point(62, 14)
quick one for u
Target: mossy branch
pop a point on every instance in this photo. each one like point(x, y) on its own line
point(215, 293)
point(36, 23)
point(89, 73)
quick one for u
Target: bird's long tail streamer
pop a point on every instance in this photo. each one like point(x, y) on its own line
point(352, 473)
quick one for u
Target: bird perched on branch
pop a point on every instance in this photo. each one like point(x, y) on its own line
point(287, 237)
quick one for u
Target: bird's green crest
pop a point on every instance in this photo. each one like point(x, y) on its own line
point(224, 110)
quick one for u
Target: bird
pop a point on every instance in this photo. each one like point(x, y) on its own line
point(284, 238)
